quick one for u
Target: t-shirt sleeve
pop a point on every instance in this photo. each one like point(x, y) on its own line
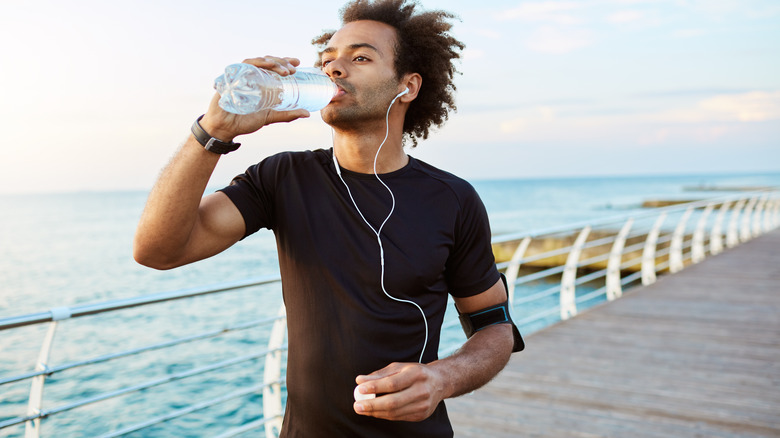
point(471, 267)
point(253, 193)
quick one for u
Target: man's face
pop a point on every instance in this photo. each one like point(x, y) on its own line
point(360, 59)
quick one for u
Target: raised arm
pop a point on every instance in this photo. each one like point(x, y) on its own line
point(179, 225)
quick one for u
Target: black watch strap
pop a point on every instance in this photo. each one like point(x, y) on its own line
point(210, 143)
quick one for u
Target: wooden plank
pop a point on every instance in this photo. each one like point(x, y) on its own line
point(696, 354)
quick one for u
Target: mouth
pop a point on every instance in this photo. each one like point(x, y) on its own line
point(339, 93)
point(342, 91)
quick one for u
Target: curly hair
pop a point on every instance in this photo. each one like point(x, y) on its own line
point(424, 46)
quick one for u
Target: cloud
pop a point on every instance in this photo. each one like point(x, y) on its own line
point(489, 33)
point(728, 117)
point(657, 136)
point(558, 41)
point(559, 27)
point(689, 133)
point(754, 106)
point(544, 11)
point(688, 33)
point(515, 125)
point(623, 17)
point(743, 108)
point(469, 54)
point(700, 120)
point(536, 117)
point(757, 106)
point(688, 93)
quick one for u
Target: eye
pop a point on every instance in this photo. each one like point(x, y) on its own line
point(361, 59)
point(325, 62)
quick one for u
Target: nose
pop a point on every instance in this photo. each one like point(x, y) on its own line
point(334, 69)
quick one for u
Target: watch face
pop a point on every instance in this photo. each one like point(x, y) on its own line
point(210, 143)
point(219, 147)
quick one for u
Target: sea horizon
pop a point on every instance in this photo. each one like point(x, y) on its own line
point(52, 241)
point(672, 174)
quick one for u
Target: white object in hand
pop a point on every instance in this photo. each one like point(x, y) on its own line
point(359, 396)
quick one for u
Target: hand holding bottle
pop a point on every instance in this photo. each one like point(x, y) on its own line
point(226, 126)
point(246, 89)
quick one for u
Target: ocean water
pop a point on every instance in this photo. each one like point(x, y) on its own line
point(73, 248)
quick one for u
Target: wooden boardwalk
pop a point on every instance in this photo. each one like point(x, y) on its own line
point(696, 354)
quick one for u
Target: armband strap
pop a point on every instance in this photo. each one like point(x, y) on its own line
point(498, 314)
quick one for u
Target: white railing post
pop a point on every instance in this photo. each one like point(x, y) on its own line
point(32, 428)
point(716, 236)
point(514, 267)
point(676, 248)
point(697, 249)
point(732, 234)
point(776, 216)
point(568, 296)
point(272, 374)
point(648, 253)
point(614, 289)
point(768, 213)
point(758, 215)
point(745, 230)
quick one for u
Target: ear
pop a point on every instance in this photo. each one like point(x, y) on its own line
point(412, 81)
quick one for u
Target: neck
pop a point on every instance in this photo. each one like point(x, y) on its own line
point(356, 150)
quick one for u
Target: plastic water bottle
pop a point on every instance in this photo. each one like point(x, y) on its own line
point(246, 89)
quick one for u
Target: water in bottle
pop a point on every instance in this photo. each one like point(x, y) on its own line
point(245, 89)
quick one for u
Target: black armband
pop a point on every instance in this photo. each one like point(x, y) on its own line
point(498, 314)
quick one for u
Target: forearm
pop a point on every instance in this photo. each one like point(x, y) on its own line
point(480, 359)
point(172, 208)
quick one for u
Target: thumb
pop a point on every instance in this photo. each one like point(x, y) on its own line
point(387, 371)
point(286, 116)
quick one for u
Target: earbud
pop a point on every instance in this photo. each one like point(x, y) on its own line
point(406, 91)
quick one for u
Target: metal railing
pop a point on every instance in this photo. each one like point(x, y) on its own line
point(271, 388)
point(634, 248)
point(552, 274)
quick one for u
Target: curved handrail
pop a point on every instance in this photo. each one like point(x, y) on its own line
point(60, 313)
point(618, 218)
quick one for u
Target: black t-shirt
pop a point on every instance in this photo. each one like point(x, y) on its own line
point(340, 323)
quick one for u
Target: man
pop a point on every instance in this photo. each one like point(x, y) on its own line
point(354, 310)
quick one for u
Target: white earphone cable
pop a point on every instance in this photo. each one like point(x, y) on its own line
point(378, 231)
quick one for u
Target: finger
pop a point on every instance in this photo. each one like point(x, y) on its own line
point(389, 370)
point(286, 116)
point(282, 66)
point(396, 407)
point(393, 378)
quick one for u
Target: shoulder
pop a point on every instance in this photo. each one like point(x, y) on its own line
point(287, 160)
point(280, 165)
point(461, 189)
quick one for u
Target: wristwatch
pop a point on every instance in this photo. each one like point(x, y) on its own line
point(212, 144)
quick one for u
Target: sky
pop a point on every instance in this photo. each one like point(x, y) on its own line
point(98, 95)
